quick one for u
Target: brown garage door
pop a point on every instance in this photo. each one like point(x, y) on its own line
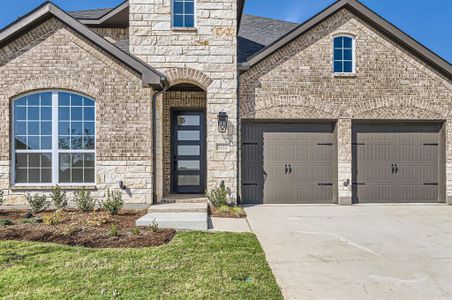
point(287, 163)
point(395, 163)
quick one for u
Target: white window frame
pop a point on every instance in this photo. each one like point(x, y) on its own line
point(55, 151)
point(353, 53)
point(195, 23)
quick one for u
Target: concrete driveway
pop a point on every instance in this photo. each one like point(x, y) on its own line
point(358, 252)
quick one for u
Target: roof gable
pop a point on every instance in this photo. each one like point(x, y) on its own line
point(150, 76)
point(368, 16)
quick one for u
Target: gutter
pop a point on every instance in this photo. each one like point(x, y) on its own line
point(164, 87)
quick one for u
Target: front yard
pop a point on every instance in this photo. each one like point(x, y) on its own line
point(193, 265)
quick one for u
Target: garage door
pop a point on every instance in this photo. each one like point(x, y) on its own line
point(395, 163)
point(287, 163)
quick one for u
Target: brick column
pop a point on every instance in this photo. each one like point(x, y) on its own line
point(344, 153)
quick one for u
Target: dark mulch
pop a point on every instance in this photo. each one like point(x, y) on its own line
point(91, 230)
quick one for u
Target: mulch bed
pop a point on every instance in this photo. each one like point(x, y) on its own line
point(91, 230)
point(226, 212)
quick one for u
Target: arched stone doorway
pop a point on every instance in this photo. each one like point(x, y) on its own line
point(184, 140)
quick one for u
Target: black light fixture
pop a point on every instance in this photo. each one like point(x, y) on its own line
point(222, 121)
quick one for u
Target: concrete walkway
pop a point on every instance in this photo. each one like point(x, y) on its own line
point(358, 252)
point(229, 225)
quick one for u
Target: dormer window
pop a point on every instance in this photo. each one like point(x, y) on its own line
point(183, 13)
point(344, 54)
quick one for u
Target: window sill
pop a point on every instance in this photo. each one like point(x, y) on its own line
point(344, 75)
point(184, 29)
point(50, 187)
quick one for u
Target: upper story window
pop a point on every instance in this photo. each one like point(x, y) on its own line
point(54, 139)
point(344, 54)
point(183, 13)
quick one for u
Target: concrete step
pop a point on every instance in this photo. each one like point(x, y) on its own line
point(176, 220)
point(179, 207)
point(181, 198)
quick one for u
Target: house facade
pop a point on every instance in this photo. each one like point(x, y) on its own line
point(177, 96)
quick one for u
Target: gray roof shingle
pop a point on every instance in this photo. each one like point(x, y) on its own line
point(258, 32)
point(90, 14)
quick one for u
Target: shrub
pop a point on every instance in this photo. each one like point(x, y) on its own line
point(2, 199)
point(135, 231)
point(114, 202)
point(53, 218)
point(58, 197)
point(98, 219)
point(30, 221)
point(69, 230)
point(154, 226)
point(6, 222)
point(114, 230)
point(85, 202)
point(219, 196)
point(37, 203)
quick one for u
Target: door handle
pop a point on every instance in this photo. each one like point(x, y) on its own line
point(290, 169)
point(396, 169)
point(392, 168)
point(286, 169)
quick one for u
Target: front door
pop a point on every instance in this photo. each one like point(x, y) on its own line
point(188, 152)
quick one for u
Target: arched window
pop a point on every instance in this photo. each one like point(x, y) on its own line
point(54, 139)
point(344, 54)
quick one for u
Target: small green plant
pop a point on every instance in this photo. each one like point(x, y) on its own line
point(84, 201)
point(219, 196)
point(6, 222)
point(29, 221)
point(135, 231)
point(114, 202)
point(2, 199)
point(38, 203)
point(53, 218)
point(114, 230)
point(154, 226)
point(59, 199)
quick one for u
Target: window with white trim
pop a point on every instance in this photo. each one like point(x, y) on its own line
point(344, 56)
point(183, 13)
point(54, 139)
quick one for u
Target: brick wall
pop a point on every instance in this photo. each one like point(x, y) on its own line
point(112, 34)
point(52, 56)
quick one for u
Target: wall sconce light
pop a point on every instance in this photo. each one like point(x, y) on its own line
point(122, 186)
point(222, 122)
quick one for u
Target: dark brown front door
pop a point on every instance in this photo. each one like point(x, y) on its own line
point(288, 163)
point(188, 152)
point(395, 163)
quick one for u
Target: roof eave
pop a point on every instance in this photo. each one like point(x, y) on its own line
point(106, 16)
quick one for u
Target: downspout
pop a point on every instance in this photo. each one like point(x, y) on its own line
point(165, 86)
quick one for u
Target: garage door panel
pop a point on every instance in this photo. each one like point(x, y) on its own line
point(301, 173)
point(306, 149)
point(321, 174)
point(394, 162)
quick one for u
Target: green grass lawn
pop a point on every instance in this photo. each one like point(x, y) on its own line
point(194, 265)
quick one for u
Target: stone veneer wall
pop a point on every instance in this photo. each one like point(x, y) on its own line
point(52, 56)
point(171, 100)
point(207, 53)
point(296, 82)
